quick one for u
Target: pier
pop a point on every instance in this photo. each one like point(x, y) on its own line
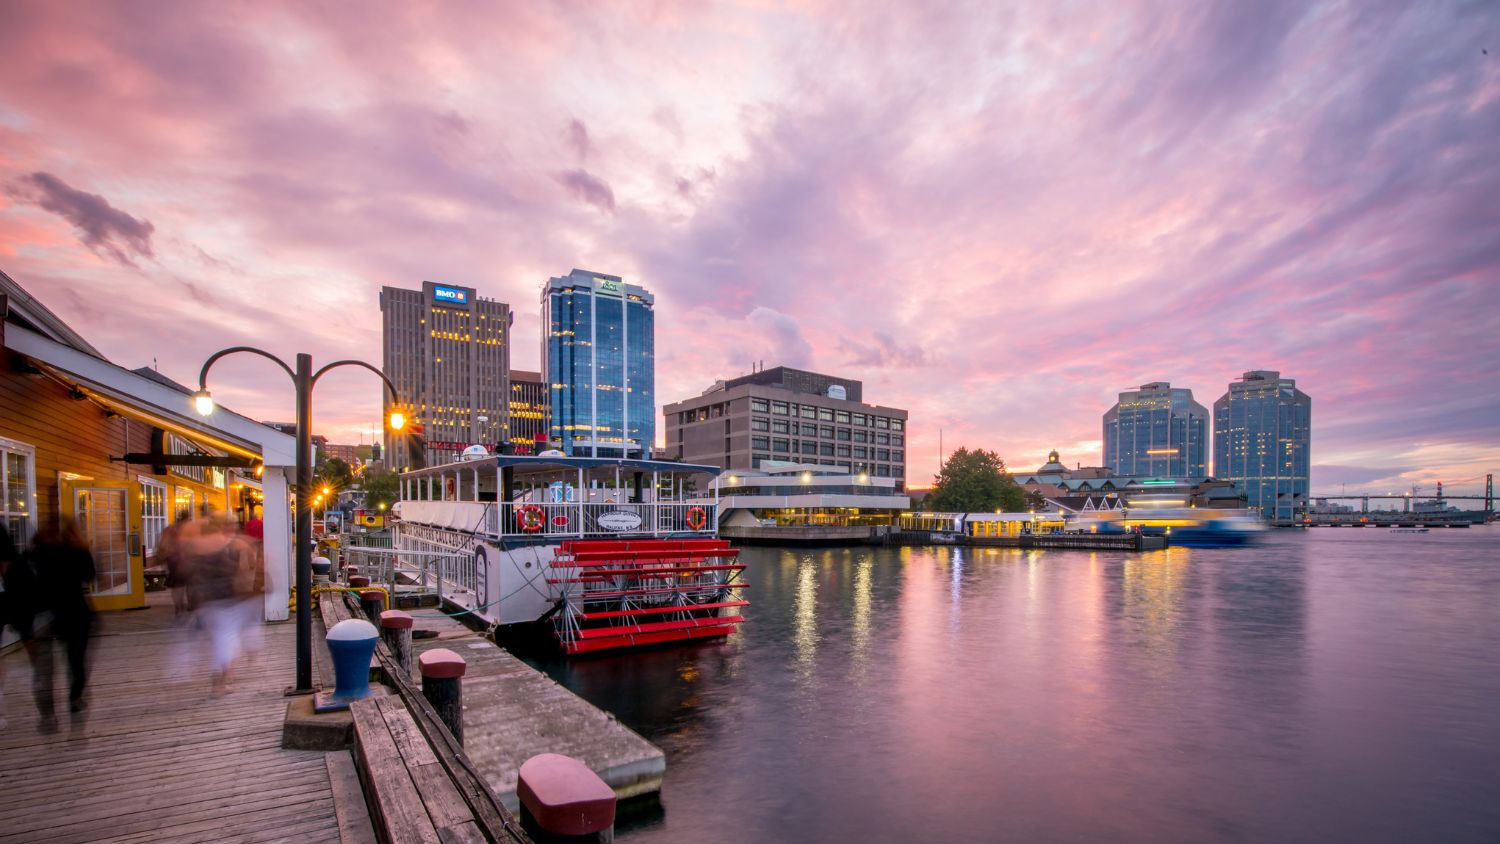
point(155, 759)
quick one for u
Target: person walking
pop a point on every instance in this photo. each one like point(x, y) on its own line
point(64, 568)
point(209, 552)
point(169, 556)
point(17, 603)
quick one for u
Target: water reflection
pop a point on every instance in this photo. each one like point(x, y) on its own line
point(1308, 689)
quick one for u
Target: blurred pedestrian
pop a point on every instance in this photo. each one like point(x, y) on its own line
point(17, 603)
point(207, 547)
point(250, 584)
point(64, 568)
point(169, 556)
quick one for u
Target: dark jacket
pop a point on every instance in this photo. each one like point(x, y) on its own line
point(62, 574)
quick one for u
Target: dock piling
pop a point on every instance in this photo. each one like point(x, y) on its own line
point(442, 684)
point(372, 601)
point(395, 628)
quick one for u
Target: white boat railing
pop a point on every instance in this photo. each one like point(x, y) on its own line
point(581, 519)
point(417, 570)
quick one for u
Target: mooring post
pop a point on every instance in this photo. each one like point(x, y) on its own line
point(395, 628)
point(372, 601)
point(563, 800)
point(442, 685)
point(358, 580)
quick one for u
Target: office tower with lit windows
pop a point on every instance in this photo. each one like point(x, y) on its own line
point(1157, 431)
point(599, 359)
point(448, 352)
point(1262, 438)
point(528, 412)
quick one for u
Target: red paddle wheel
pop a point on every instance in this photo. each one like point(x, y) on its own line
point(621, 594)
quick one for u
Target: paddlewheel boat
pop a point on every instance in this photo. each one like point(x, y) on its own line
point(612, 553)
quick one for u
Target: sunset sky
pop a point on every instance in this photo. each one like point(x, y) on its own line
point(997, 216)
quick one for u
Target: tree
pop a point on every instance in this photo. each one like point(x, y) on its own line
point(381, 487)
point(335, 474)
point(975, 482)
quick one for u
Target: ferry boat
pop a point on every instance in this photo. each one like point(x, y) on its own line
point(1217, 533)
point(613, 553)
point(1409, 530)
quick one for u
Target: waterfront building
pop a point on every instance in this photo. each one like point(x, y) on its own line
point(1262, 433)
point(123, 454)
point(1157, 430)
point(785, 415)
point(447, 350)
point(599, 359)
point(528, 412)
point(783, 501)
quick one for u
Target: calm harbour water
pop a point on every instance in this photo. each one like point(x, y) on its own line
point(1332, 684)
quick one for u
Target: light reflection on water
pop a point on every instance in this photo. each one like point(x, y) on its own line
point(1327, 685)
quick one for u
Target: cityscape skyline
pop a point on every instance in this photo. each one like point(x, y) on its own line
point(1043, 217)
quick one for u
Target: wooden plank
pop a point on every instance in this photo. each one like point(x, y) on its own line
point(444, 804)
point(464, 833)
point(409, 740)
point(348, 800)
point(394, 801)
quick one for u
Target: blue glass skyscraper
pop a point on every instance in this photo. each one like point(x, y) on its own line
point(1157, 431)
point(1262, 434)
point(599, 359)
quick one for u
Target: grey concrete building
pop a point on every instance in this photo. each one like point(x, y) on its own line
point(786, 415)
point(448, 352)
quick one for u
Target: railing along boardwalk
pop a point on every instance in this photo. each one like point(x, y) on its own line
point(157, 759)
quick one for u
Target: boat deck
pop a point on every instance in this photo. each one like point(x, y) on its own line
point(156, 759)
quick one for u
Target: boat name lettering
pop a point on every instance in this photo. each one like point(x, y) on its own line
point(619, 520)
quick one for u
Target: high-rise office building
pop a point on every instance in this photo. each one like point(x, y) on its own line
point(528, 411)
point(1157, 431)
point(1262, 434)
point(448, 352)
point(599, 358)
point(785, 415)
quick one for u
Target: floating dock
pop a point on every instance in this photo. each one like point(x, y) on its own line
point(513, 712)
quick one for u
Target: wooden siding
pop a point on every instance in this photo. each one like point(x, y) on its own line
point(75, 436)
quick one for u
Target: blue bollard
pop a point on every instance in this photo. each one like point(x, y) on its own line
point(351, 643)
point(321, 565)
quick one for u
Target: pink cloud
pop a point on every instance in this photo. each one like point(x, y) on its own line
point(997, 219)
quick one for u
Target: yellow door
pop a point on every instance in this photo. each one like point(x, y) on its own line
point(111, 526)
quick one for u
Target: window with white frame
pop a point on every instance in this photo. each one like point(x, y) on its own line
point(153, 512)
point(18, 490)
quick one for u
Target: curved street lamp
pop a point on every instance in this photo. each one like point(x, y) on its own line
point(303, 379)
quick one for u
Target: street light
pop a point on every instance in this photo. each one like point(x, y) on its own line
point(303, 380)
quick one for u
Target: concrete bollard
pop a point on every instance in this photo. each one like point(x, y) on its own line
point(358, 580)
point(320, 566)
point(562, 800)
point(442, 685)
point(372, 602)
point(395, 629)
point(351, 643)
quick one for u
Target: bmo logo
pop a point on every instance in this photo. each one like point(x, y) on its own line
point(449, 295)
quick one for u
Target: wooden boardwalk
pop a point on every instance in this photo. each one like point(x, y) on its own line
point(156, 759)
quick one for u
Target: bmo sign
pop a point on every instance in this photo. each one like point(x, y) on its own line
point(444, 295)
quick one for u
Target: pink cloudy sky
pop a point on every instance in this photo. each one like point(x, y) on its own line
point(997, 217)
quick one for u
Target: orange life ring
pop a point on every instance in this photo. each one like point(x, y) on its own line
point(696, 518)
point(531, 518)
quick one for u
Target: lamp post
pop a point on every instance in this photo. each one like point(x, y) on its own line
point(303, 380)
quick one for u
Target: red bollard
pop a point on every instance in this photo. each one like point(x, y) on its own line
point(563, 800)
point(442, 685)
point(372, 601)
point(358, 580)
